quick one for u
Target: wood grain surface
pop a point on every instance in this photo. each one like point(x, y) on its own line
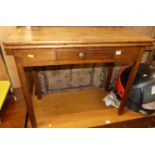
point(79, 109)
point(75, 35)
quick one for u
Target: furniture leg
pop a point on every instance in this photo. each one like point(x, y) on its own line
point(26, 93)
point(37, 84)
point(29, 78)
point(26, 120)
point(109, 76)
point(130, 82)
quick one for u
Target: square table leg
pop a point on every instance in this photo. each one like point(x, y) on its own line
point(26, 92)
point(109, 76)
point(37, 83)
point(130, 81)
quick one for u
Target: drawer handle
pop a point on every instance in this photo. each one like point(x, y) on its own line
point(81, 55)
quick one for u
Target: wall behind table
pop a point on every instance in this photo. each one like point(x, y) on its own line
point(5, 31)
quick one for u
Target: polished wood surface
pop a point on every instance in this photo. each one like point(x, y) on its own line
point(71, 35)
point(74, 45)
point(14, 113)
point(79, 109)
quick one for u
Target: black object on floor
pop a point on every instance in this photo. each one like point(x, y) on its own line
point(143, 89)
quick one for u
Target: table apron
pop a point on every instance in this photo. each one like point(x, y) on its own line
point(62, 56)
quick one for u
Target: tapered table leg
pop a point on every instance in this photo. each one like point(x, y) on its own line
point(109, 76)
point(26, 92)
point(37, 84)
point(130, 81)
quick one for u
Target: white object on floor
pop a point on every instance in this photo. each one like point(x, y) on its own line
point(149, 106)
point(111, 100)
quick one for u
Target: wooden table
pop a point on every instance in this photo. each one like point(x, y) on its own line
point(45, 46)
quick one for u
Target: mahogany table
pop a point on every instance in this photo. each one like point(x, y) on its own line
point(44, 46)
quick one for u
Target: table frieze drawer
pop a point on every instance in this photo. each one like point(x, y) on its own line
point(106, 54)
point(75, 54)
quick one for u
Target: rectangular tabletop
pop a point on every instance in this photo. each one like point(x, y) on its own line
point(75, 35)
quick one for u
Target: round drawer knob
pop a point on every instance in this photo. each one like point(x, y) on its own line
point(81, 55)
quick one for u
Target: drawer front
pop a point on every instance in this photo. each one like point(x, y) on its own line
point(37, 57)
point(85, 54)
point(107, 54)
